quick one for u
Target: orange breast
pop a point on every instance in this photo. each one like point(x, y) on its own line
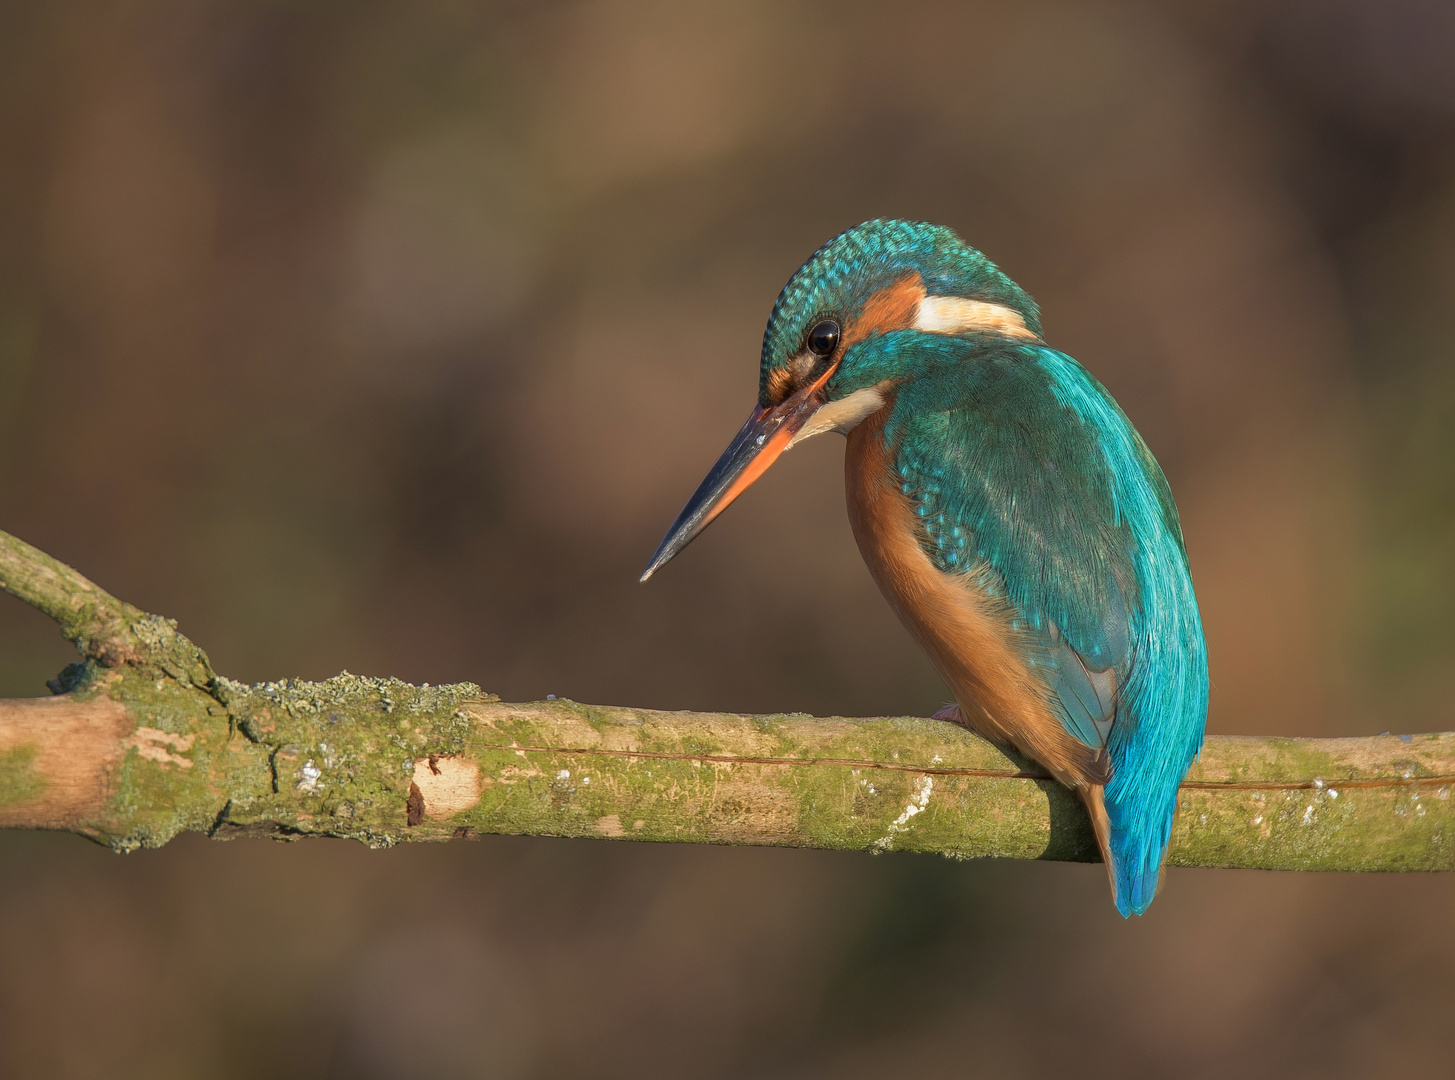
point(967, 633)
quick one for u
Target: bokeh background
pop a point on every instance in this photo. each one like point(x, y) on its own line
point(390, 337)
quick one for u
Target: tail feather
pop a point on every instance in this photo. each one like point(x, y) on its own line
point(1134, 859)
point(1136, 887)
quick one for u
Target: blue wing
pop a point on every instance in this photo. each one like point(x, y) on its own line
point(1018, 460)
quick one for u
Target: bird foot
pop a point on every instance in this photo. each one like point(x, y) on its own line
point(950, 712)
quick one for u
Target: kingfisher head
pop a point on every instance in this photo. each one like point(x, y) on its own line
point(850, 325)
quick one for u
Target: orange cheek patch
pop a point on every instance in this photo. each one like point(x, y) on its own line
point(893, 308)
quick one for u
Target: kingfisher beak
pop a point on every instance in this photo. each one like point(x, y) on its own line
point(767, 433)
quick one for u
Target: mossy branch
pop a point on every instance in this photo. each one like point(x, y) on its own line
point(104, 629)
point(144, 741)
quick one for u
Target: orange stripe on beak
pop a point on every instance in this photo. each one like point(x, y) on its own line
point(756, 467)
point(759, 443)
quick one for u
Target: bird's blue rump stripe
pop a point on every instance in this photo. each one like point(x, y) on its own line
point(1160, 721)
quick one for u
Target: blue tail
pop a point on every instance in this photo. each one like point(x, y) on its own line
point(1140, 831)
point(1136, 884)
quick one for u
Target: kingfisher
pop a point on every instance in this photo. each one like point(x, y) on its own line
point(1008, 511)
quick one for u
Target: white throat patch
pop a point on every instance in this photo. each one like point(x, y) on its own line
point(956, 315)
point(842, 415)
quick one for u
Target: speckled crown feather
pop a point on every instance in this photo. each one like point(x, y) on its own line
point(855, 262)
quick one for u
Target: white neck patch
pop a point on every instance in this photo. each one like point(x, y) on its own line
point(842, 415)
point(956, 315)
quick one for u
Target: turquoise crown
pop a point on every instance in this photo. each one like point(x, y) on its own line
point(852, 265)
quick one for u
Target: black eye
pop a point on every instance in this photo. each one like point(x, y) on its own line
point(823, 339)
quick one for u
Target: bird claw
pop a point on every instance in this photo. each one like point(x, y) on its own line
point(950, 712)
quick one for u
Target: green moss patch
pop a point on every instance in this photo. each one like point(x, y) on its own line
point(19, 781)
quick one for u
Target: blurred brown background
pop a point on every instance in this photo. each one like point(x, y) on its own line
point(392, 336)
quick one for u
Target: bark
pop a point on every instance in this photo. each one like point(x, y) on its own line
point(144, 741)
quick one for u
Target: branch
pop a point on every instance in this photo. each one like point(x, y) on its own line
point(146, 742)
point(103, 628)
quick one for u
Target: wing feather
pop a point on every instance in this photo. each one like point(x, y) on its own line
point(1006, 476)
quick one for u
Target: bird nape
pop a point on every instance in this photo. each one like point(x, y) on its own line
point(1008, 510)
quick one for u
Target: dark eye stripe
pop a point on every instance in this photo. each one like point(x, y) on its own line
point(780, 384)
